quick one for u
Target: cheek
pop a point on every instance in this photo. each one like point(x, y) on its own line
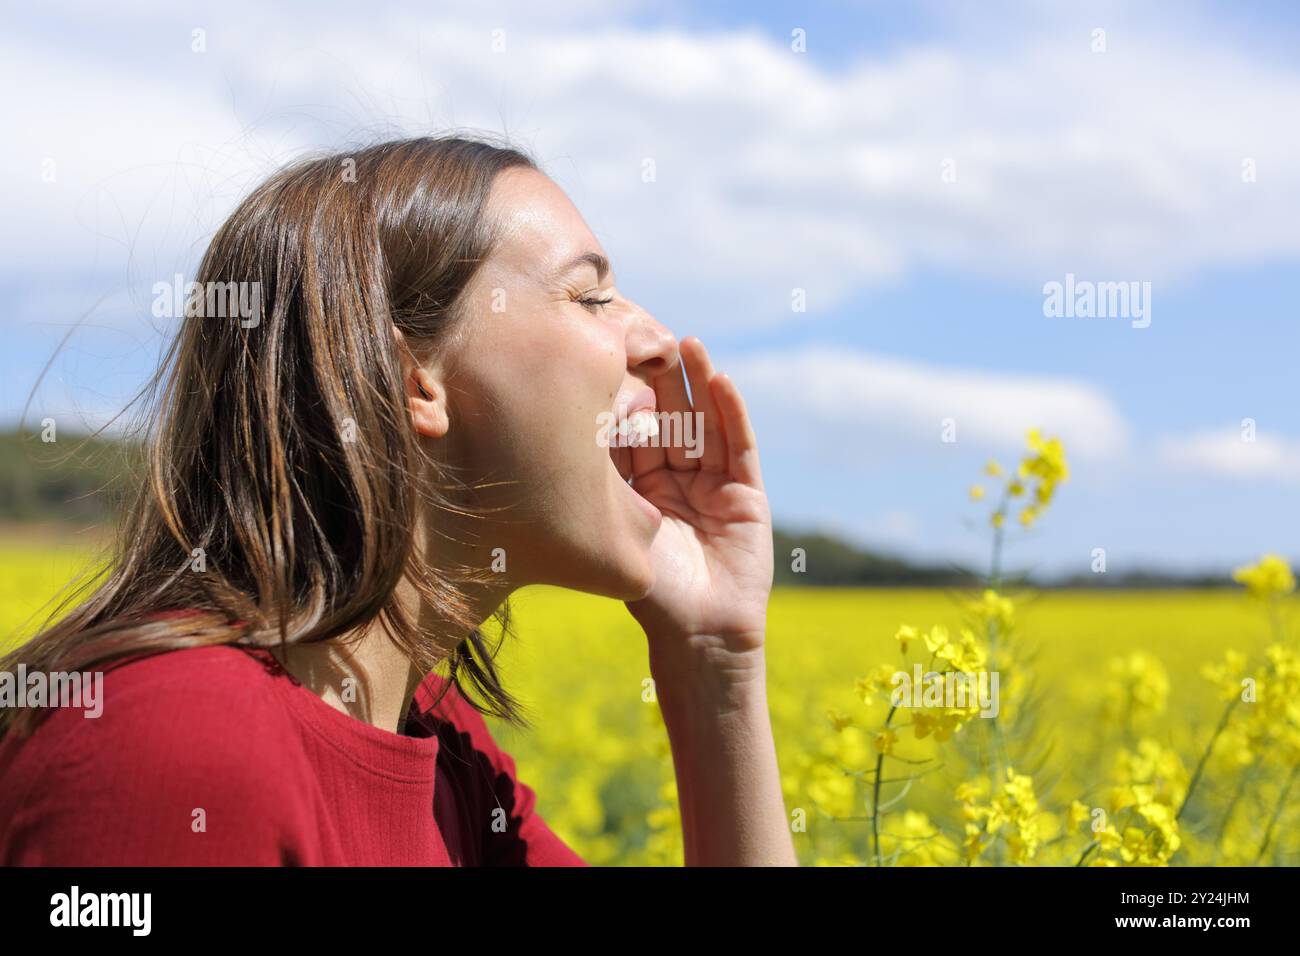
point(565, 361)
point(534, 387)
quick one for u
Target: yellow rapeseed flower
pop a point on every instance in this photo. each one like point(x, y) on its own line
point(1270, 577)
point(971, 790)
point(906, 634)
point(1045, 463)
point(937, 639)
point(1077, 815)
point(838, 720)
point(993, 607)
point(1138, 688)
point(1016, 807)
point(1227, 675)
point(880, 679)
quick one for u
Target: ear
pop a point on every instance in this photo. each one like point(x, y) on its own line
point(425, 394)
point(427, 399)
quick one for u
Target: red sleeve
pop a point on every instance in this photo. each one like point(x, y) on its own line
point(174, 772)
point(520, 836)
point(528, 840)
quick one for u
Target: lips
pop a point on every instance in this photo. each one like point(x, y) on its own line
point(643, 399)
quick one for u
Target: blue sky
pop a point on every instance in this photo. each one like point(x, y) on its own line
point(920, 171)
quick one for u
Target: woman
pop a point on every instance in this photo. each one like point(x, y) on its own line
point(348, 481)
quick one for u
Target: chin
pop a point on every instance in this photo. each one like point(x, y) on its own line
point(618, 568)
point(637, 582)
point(622, 571)
point(617, 562)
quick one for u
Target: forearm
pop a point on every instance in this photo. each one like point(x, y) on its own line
point(714, 704)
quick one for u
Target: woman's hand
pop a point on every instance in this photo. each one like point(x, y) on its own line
point(705, 619)
point(713, 552)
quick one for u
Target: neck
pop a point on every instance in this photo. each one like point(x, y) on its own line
point(366, 674)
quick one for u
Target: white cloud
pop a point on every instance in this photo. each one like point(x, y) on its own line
point(1224, 453)
point(775, 170)
point(850, 398)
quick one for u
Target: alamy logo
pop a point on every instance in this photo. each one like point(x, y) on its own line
point(646, 429)
point(22, 688)
point(103, 909)
point(1084, 299)
point(953, 689)
point(208, 300)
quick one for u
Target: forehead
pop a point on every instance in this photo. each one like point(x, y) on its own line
point(540, 228)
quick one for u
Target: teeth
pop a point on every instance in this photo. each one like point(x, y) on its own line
point(641, 427)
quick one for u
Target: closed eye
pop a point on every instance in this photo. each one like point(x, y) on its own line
point(591, 304)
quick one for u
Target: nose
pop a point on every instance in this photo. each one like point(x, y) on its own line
point(651, 348)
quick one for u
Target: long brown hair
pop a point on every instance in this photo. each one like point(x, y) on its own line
point(281, 497)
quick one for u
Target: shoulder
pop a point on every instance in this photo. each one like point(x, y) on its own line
point(169, 743)
point(205, 695)
point(512, 831)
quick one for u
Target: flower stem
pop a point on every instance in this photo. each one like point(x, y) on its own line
point(1205, 756)
point(1277, 812)
point(875, 793)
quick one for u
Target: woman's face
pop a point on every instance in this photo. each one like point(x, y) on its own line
point(548, 350)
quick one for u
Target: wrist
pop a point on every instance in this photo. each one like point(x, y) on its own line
point(676, 632)
point(730, 650)
point(715, 671)
point(709, 692)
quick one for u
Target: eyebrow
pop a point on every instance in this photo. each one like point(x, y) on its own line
point(595, 259)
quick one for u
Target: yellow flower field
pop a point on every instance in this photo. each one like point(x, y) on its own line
point(927, 727)
point(1116, 670)
point(1158, 728)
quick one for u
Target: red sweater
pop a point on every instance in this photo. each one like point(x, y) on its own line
point(280, 777)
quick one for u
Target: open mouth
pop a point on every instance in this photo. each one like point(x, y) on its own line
point(636, 425)
point(622, 460)
point(638, 430)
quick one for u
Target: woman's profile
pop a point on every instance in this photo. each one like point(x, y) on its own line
point(344, 485)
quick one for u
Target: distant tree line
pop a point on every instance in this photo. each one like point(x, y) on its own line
point(80, 480)
point(77, 478)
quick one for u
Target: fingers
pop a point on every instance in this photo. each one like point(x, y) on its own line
point(742, 445)
point(712, 448)
point(722, 436)
point(670, 396)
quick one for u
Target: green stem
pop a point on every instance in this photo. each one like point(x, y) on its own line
point(1277, 812)
point(995, 570)
point(998, 744)
point(1205, 756)
point(875, 793)
point(1227, 817)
